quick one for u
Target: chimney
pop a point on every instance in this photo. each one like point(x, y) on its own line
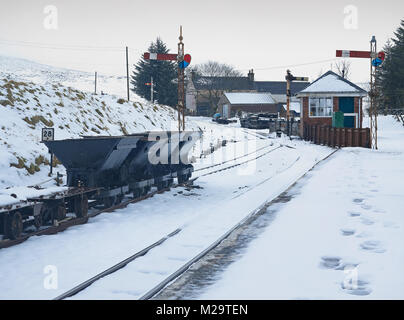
point(251, 75)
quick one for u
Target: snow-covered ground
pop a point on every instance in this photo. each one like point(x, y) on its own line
point(340, 237)
point(203, 214)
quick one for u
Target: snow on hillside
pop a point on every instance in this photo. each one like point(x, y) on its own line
point(26, 70)
point(27, 107)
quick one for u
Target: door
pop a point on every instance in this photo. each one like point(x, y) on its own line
point(347, 105)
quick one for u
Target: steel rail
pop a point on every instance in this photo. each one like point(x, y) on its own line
point(156, 289)
point(234, 159)
point(115, 268)
point(241, 163)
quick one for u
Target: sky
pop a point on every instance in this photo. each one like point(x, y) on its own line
point(265, 35)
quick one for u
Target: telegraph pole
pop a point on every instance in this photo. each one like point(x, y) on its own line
point(180, 58)
point(127, 72)
point(372, 94)
point(151, 89)
point(289, 78)
point(95, 83)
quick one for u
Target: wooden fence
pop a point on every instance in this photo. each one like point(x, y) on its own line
point(337, 137)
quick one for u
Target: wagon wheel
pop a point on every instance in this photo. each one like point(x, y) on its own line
point(170, 182)
point(160, 185)
point(81, 206)
point(108, 201)
point(118, 199)
point(14, 225)
point(137, 192)
point(145, 190)
point(181, 178)
point(38, 219)
point(60, 212)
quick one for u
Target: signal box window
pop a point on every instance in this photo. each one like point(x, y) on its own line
point(321, 107)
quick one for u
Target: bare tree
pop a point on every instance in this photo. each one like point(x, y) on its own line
point(215, 77)
point(343, 68)
point(216, 69)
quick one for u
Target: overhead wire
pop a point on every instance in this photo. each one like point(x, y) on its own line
point(122, 49)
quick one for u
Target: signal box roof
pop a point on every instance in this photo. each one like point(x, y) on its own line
point(332, 83)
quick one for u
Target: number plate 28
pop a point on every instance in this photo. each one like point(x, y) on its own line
point(48, 134)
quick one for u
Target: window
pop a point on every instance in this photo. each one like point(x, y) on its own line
point(321, 107)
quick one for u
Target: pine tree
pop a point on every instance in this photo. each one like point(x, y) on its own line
point(390, 77)
point(164, 75)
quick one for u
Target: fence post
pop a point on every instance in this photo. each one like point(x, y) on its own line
point(321, 135)
point(338, 137)
point(343, 138)
point(328, 136)
point(349, 137)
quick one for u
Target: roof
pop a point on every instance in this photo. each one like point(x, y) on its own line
point(279, 87)
point(249, 98)
point(223, 83)
point(331, 82)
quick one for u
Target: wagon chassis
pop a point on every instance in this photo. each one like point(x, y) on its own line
point(50, 211)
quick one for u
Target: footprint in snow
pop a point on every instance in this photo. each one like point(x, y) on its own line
point(367, 221)
point(347, 266)
point(330, 262)
point(358, 287)
point(373, 246)
point(379, 211)
point(336, 263)
point(354, 213)
point(366, 206)
point(347, 231)
point(358, 200)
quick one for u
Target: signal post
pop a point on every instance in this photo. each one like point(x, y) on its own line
point(289, 78)
point(376, 60)
point(183, 61)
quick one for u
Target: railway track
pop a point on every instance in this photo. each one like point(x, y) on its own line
point(69, 222)
point(241, 163)
point(234, 159)
point(115, 268)
point(246, 220)
point(256, 134)
point(157, 288)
